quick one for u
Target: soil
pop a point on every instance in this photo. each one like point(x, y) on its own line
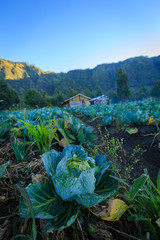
point(146, 139)
point(93, 228)
point(150, 159)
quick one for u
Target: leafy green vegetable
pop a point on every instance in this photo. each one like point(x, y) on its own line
point(75, 180)
point(76, 130)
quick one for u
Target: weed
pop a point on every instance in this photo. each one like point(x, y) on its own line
point(21, 151)
point(113, 149)
point(5, 127)
point(91, 228)
point(3, 168)
point(25, 174)
point(143, 197)
point(42, 134)
point(134, 159)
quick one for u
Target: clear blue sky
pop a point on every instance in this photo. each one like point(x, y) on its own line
point(61, 35)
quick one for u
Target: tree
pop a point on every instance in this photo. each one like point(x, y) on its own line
point(133, 94)
point(90, 87)
point(89, 91)
point(73, 92)
point(8, 95)
point(142, 93)
point(98, 90)
point(123, 91)
point(155, 90)
point(60, 97)
point(56, 92)
point(48, 100)
point(67, 93)
point(33, 98)
point(113, 96)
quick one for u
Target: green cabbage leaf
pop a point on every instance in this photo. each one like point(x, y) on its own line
point(74, 180)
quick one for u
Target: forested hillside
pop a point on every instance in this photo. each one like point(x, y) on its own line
point(22, 75)
point(141, 71)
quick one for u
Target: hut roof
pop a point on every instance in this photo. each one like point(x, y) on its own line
point(76, 96)
point(98, 97)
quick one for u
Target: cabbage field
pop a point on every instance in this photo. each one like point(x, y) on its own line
point(81, 173)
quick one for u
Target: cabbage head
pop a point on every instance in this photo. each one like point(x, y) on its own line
point(74, 181)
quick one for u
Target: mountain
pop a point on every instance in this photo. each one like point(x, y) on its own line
point(22, 75)
point(141, 71)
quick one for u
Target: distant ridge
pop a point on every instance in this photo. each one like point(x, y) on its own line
point(141, 71)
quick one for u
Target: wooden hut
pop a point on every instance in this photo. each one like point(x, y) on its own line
point(77, 100)
point(99, 100)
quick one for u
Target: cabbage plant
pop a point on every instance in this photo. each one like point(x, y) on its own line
point(74, 181)
point(135, 118)
point(77, 131)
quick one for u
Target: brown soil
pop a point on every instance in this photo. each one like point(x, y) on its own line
point(147, 139)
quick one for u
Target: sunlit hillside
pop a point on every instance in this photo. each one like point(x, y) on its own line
point(17, 70)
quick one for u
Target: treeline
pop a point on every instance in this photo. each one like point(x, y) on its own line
point(124, 93)
point(33, 98)
point(141, 70)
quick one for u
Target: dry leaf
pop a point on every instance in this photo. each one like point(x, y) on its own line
point(37, 178)
point(151, 121)
point(3, 199)
point(24, 227)
point(132, 130)
point(112, 212)
point(63, 143)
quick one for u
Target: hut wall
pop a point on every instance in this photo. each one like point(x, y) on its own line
point(77, 101)
point(102, 100)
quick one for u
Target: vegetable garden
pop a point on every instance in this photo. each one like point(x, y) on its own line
point(81, 173)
